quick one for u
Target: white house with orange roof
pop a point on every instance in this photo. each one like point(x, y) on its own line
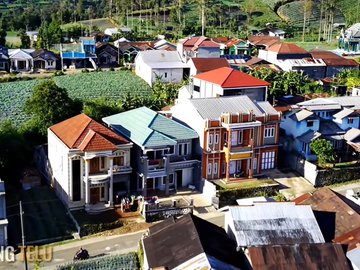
point(90, 163)
point(199, 46)
point(225, 81)
point(290, 57)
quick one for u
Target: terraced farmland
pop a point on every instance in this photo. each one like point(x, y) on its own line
point(85, 86)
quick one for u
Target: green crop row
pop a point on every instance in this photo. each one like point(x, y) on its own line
point(85, 86)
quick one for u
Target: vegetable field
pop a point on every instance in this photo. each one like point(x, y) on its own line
point(85, 86)
point(123, 262)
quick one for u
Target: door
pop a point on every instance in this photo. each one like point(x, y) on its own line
point(232, 167)
point(150, 183)
point(76, 180)
point(234, 138)
point(94, 195)
point(268, 160)
point(94, 165)
point(179, 179)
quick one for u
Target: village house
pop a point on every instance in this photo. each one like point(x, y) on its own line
point(238, 137)
point(199, 46)
point(21, 60)
point(163, 155)
point(290, 57)
point(79, 55)
point(90, 163)
point(165, 66)
point(3, 220)
point(4, 59)
point(201, 65)
point(351, 241)
point(194, 244)
point(225, 81)
point(349, 40)
point(334, 119)
point(44, 59)
point(107, 55)
point(262, 42)
point(236, 46)
point(334, 63)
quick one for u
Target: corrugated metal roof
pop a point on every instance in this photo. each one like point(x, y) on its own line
point(309, 136)
point(266, 107)
point(160, 56)
point(351, 239)
point(354, 257)
point(212, 108)
point(327, 200)
point(299, 257)
point(328, 127)
point(352, 134)
point(274, 223)
point(343, 113)
point(301, 115)
point(350, 102)
point(147, 128)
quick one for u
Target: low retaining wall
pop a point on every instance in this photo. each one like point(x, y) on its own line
point(336, 175)
point(229, 197)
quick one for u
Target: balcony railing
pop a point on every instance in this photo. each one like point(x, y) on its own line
point(156, 164)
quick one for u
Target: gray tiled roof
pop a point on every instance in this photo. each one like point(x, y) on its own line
point(349, 102)
point(212, 108)
point(328, 127)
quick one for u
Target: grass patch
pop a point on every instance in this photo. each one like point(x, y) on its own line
point(246, 184)
point(95, 223)
point(45, 216)
point(344, 183)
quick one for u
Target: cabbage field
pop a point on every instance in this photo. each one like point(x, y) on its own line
point(85, 86)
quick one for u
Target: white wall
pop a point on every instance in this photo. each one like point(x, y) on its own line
point(208, 89)
point(142, 70)
point(59, 162)
point(173, 75)
point(187, 175)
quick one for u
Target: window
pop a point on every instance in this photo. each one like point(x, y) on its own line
point(223, 168)
point(102, 163)
point(240, 137)
point(102, 192)
point(119, 161)
point(196, 88)
point(254, 164)
point(225, 138)
point(268, 160)
point(327, 114)
point(183, 149)
point(170, 150)
point(350, 120)
point(215, 168)
point(310, 123)
point(216, 138)
point(165, 75)
point(210, 139)
point(304, 146)
point(209, 168)
point(171, 179)
point(269, 132)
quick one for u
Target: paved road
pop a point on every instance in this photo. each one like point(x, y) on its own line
point(97, 246)
point(102, 245)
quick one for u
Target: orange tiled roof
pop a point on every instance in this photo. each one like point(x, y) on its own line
point(228, 78)
point(286, 48)
point(207, 64)
point(75, 131)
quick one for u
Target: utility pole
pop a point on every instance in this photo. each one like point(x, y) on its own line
point(23, 235)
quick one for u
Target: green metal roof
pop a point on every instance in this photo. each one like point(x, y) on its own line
point(148, 128)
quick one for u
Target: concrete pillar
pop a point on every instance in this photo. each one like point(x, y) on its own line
point(167, 185)
point(71, 179)
point(87, 184)
point(111, 185)
point(144, 185)
point(27, 65)
point(82, 179)
point(16, 65)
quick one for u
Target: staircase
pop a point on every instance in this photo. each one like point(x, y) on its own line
point(93, 63)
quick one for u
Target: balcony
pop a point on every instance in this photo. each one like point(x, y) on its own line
point(117, 169)
point(100, 177)
point(156, 168)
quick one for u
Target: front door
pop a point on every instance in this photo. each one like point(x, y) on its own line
point(179, 179)
point(94, 195)
point(150, 183)
point(232, 167)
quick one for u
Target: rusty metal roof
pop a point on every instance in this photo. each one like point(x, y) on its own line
point(325, 199)
point(351, 239)
point(299, 257)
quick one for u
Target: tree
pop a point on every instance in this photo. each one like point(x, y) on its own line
point(99, 108)
point(25, 39)
point(50, 104)
point(2, 36)
point(307, 11)
point(324, 151)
